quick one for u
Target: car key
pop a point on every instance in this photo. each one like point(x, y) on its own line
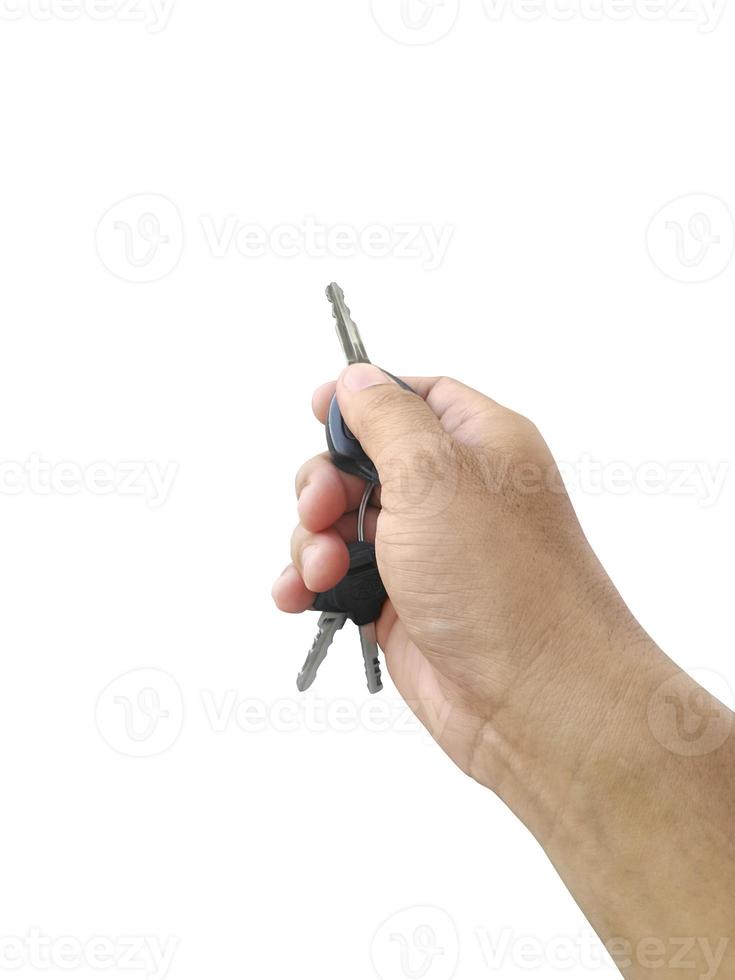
point(346, 452)
point(329, 623)
point(348, 455)
point(359, 596)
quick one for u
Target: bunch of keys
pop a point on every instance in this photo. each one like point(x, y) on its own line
point(361, 594)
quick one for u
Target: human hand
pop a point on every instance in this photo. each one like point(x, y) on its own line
point(495, 594)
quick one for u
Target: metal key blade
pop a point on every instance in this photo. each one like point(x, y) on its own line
point(328, 625)
point(369, 643)
point(347, 331)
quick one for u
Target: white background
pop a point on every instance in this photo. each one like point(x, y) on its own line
point(271, 843)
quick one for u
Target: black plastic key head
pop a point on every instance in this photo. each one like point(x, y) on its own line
point(361, 593)
point(346, 452)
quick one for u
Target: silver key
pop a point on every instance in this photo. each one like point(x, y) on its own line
point(369, 644)
point(349, 335)
point(327, 627)
point(368, 636)
point(355, 353)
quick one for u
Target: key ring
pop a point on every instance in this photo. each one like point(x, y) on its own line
point(361, 512)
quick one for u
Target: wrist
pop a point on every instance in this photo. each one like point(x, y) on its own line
point(631, 794)
point(575, 716)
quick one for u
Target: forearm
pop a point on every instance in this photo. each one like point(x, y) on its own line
point(624, 770)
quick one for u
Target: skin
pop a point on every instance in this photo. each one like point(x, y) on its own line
point(508, 640)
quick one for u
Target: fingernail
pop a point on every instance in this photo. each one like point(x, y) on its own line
point(359, 376)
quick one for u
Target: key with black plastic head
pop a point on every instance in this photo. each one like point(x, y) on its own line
point(359, 596)
point(348, 455)
point(346, 452)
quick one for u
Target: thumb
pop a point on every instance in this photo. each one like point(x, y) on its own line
point(391, 423)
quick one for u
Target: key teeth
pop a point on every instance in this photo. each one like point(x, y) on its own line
point(374, 680)
point(338, 296)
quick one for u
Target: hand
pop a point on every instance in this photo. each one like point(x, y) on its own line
point(494, 591)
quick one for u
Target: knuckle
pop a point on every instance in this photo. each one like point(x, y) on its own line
point(297, 542)
point(518, 437)
point(306, 472)
point(526, 428)
point(445, 381)
point(301, 479)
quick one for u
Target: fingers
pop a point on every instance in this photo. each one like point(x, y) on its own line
point(346, 526)
point(323, 395)
point(289, 592)
point(322, 559)
point(461, 410)
point(326, 493)
point(388, 420)
point(321, 398)
point(465, 414)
